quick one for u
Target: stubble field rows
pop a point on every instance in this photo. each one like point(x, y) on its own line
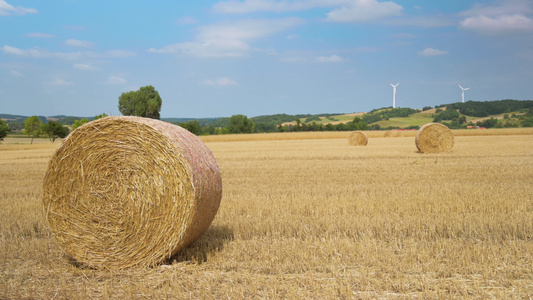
point(310, 218)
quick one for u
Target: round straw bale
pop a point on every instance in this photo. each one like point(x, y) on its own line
point(434, 138)
point(358, 138)
point(130, 191)
point(393, 133)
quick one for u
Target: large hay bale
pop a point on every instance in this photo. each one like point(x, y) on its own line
point(434, 138)
point(130, 191)
point(358, 138)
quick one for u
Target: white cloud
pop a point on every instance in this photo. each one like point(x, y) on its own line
point(39, 53)
point(364, 11)
point(223, 81)
point(329, 59)
point(510, 16)
point(78, 43)
point(61, 82)
point(249, 6)
point(429, 21)
point(40, 35)
point(343, 10)
point(43, 53)
point(498, 25)
point(432, 52)
point(212, 48)
point(247, 29)
point(85, 67)
point(228, 39)
point(508, 7)
point(7, 9)
point(115, 80)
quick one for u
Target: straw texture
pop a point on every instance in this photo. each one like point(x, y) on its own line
point(358, 138)
point(130, 191)
point(392, 133)
point(434, 138)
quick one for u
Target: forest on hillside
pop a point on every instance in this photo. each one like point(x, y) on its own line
point(517, 113)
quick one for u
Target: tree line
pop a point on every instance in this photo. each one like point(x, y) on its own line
point(485, 109)
point(146, 102)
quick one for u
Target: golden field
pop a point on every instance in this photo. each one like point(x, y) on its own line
point(307, 216)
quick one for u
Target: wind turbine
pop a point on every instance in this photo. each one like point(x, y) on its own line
point(463, 94)
point(394, 94)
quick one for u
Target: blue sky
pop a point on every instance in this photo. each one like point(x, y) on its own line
point(261, 57)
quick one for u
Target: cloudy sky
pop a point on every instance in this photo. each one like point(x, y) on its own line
point(261, 57)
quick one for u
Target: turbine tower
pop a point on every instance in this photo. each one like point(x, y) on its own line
point(394, 94)
point(463, 94)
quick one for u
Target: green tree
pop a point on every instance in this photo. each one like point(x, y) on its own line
point(78, 123)
point(488, 123)
point(240, 124)
point(101, 116)
point(192, 126)
point(32, 127)
point(359, 124)
point(4, 129)
point(53, 130)
point(145, 102)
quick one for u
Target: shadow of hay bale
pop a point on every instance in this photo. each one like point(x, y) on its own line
point(212, 241)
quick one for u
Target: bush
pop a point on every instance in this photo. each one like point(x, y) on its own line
point(4, 129)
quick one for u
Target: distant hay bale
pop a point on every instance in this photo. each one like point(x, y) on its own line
point(392, 133)
point(358, 138)
point(130, 191)
point(434, 138)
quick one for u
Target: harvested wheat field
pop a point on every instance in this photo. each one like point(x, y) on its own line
point(309, 218)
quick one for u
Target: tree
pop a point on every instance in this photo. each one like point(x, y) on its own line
point(32, 127)
point(192, 126)
point(4, 129)
point(240, 124)
point(359, 124)
point(53, 130)
point(145, 102)
point(488, 123)
point(78, 123)
point(104, 115)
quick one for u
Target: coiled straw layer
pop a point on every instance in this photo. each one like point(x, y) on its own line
point(130, 191)
point(358, 138)
point(434, 138)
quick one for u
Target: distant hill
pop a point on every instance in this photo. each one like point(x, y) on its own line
point(512, 111)
point(7, 117)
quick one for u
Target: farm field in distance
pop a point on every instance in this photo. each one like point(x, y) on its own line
point(307, 216)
